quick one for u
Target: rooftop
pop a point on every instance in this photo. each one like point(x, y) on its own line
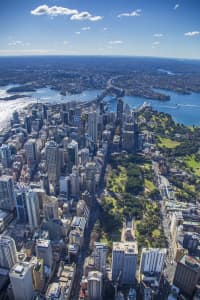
point(191, 262)
point(127, 247)
point(43, 243)
point(19, 270)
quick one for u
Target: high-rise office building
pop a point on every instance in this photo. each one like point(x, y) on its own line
point(128, 140)
point(124, 262)
point(7, 195)
point(187, 275)
point(64, 185)
point(120, 105)
point(44, 251)
point(15, 117)
point(53, 161)
point(31, 151)
point(152, 260)
point(37, 272)
point(75, 182)
point(83, 156)
point(8, 252)
point(93, 125)
point(91, 170)
point(20, 196)
point(33, 209)
point(100, 255)
point(5, 156)
point(72, 150)
point(95, 285)
point(28, 123)
point(21, 281)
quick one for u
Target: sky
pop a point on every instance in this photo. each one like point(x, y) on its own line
point(161, 28)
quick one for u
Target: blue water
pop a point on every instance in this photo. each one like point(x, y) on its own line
point(52, 96)
point(184, 109)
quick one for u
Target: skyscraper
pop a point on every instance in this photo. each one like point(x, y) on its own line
point(72, 150)
point(32, 204)
point(95, 285)
point(152, 260)
point(124, 262)
point(100, 255)
point(31, 151)
point(64, 185)
point(75, 182)
point(53, 162)
point(27, 123)
point(21, 281)
point(8, 256)
point(187, 275)
point(44, 251)
point(7, 195)
point(93, 125)
point(22, 214)
point(120, 105)
point(5, 156)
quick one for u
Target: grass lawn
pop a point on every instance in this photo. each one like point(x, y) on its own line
point(193, 164)
point(168, 143)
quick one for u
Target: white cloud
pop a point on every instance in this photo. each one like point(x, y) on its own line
point(18, 43)
point(53, 11)
point(156, 43)
point(105, 29)
point(176, 6)
point(65, 42)
point(77, 32)
point(192, 33)
point(85, 28)
point(158, 35)
point(115, 42)
point(85, 15)
point(135, 13)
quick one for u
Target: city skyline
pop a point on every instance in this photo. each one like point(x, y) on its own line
point(138, 28)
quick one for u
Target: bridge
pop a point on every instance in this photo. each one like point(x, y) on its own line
point(110, 90)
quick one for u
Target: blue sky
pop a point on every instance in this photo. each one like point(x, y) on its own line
point(166, 28)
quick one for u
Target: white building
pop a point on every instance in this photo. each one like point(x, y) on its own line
point(21, 281)
point(95, 285)
point(152, 260)
point(100, 255)
point(124, 262)
point(8, 252)
point(33, 210)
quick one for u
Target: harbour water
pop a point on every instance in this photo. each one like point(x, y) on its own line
point(184, 109)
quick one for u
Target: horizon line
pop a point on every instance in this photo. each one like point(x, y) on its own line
point(97, 55)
